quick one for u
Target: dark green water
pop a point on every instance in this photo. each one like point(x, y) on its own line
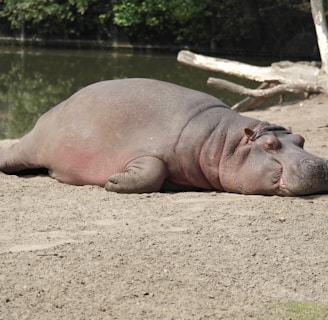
point(33, 80)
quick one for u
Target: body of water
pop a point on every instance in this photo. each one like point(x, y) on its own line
point(34, 80)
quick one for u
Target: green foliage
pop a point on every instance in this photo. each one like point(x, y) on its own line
point(54, 17)
point(158, 17)
point(18, 11)
point(130, 13)
point(229, 23)
point(234, 24)
point(184, 20)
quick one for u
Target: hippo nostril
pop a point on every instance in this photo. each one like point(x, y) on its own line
point(309, 164)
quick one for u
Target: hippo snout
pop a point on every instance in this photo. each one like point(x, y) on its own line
point(315, 169)
point(310, 177)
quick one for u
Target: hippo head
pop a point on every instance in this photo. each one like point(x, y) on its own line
point(271, 160)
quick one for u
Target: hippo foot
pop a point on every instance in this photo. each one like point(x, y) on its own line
point(145, 174)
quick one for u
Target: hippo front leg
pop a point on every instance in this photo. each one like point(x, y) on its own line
point(145, 174)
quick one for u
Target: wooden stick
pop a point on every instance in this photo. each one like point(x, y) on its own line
point(278, 89)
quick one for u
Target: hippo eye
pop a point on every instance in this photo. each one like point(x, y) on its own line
point(272, 144)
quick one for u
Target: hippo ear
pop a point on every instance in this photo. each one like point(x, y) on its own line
point(250, 134)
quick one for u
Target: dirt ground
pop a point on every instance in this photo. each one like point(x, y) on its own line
point(72, 252)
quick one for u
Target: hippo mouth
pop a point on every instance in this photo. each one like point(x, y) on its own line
point(283, 189)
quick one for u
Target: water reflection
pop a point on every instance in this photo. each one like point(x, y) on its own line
point(33, 80)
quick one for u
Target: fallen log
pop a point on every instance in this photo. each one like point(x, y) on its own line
point(281, 72)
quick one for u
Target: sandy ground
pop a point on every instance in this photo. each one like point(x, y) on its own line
point(82, 253)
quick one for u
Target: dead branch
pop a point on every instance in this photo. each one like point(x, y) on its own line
point(265, 93)
point(248, 104)
point(251, 103)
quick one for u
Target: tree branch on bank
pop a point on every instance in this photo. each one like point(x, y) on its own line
point(266, 90)
point(251, 103)
point(262, 93)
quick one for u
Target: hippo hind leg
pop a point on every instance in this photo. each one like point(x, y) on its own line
point(17, 158)
point(144, 174)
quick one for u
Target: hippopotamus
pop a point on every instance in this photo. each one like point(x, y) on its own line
point(144, 135)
